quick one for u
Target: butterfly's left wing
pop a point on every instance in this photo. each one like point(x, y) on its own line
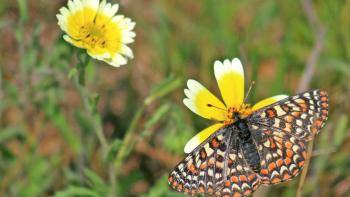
point(217, 167)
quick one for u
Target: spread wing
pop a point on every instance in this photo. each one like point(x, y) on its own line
point(302, 115)
point(281, 131)
point(215, 167)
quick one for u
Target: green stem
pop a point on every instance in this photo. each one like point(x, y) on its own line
point(95, 116)
point(126, 145)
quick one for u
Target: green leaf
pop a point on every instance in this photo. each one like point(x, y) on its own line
point(113, 149)
point(72, 73)
point(9, 133)
point(166, 86)
point(23, 11)
point(96, 182)
point(77, 191)
point(341, 130)
point(157, 115)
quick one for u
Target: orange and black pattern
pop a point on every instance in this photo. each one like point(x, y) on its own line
point(268, 147)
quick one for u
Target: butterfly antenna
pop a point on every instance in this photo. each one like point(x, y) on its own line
point(210, 105)
point(249, 90)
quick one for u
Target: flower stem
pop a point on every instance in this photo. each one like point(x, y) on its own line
point(90, 102)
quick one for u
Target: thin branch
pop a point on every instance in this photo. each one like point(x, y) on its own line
point(319, 31)
point(164, 157)
point(306, 168)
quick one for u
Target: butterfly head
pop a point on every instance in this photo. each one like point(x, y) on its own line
point(237, 113)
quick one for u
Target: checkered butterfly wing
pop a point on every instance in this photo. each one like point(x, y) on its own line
point(215, 167)
point(281, 131)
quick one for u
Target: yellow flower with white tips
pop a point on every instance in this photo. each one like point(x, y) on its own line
point(94, 26)
point(230, 78)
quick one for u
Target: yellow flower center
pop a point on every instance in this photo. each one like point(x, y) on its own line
point(242, 110)
point(95, 32)
point(93, 36)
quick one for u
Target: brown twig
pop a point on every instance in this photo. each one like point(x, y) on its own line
point(319, 31)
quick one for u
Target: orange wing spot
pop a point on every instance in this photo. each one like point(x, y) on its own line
point(193, 192)
point(203, 154)
point(226, 195)
point(234, 179)
point(227, 183)
point(247, 192)
point(295, 171)
point(279, 162)
point(264, 171)
point(193, 169)
point(278, 140)
point(203, 166)
point(210, 189)
point(324, 98)
point(304, 154)
point(242, 178)
point(251, 177)
point(288, 145)
point(289, 119)
point(324, 105)
point(285, 108)
point(296, 113)
point(314, 129)
point(201, 189)
point(187, 190)
point(303, 106)
point(272, 143)
point(288, 127)
point(272, 166)
point(301, 163)
point(287, 161)
point(286, 176)
point(236, 194)
point(175, 183)
point(289, 153)
point(324, 111)
point(268, 132)
point(215, 143)
point(318, 122)
point(170, 179)
point(275, 180)
point(270, 113)
point(180, 187)
point(323, 93)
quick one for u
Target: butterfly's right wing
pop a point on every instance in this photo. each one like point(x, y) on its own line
point(281, 131)
point(217, 167)
point(302, 115)
point(282, 155)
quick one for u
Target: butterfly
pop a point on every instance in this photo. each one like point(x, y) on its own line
point(268, 146)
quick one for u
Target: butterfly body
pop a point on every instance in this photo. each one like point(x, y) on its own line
point(247, 145)
point(266, 147)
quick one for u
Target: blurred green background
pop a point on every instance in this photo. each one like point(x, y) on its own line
point(48, 145)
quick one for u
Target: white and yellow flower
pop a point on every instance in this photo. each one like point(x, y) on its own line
point(230, 78)
point(94, 26)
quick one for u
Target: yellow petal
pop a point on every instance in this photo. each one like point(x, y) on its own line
point(202, 102)
point(268, 101)
point(230, 78)
point(200, 137)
